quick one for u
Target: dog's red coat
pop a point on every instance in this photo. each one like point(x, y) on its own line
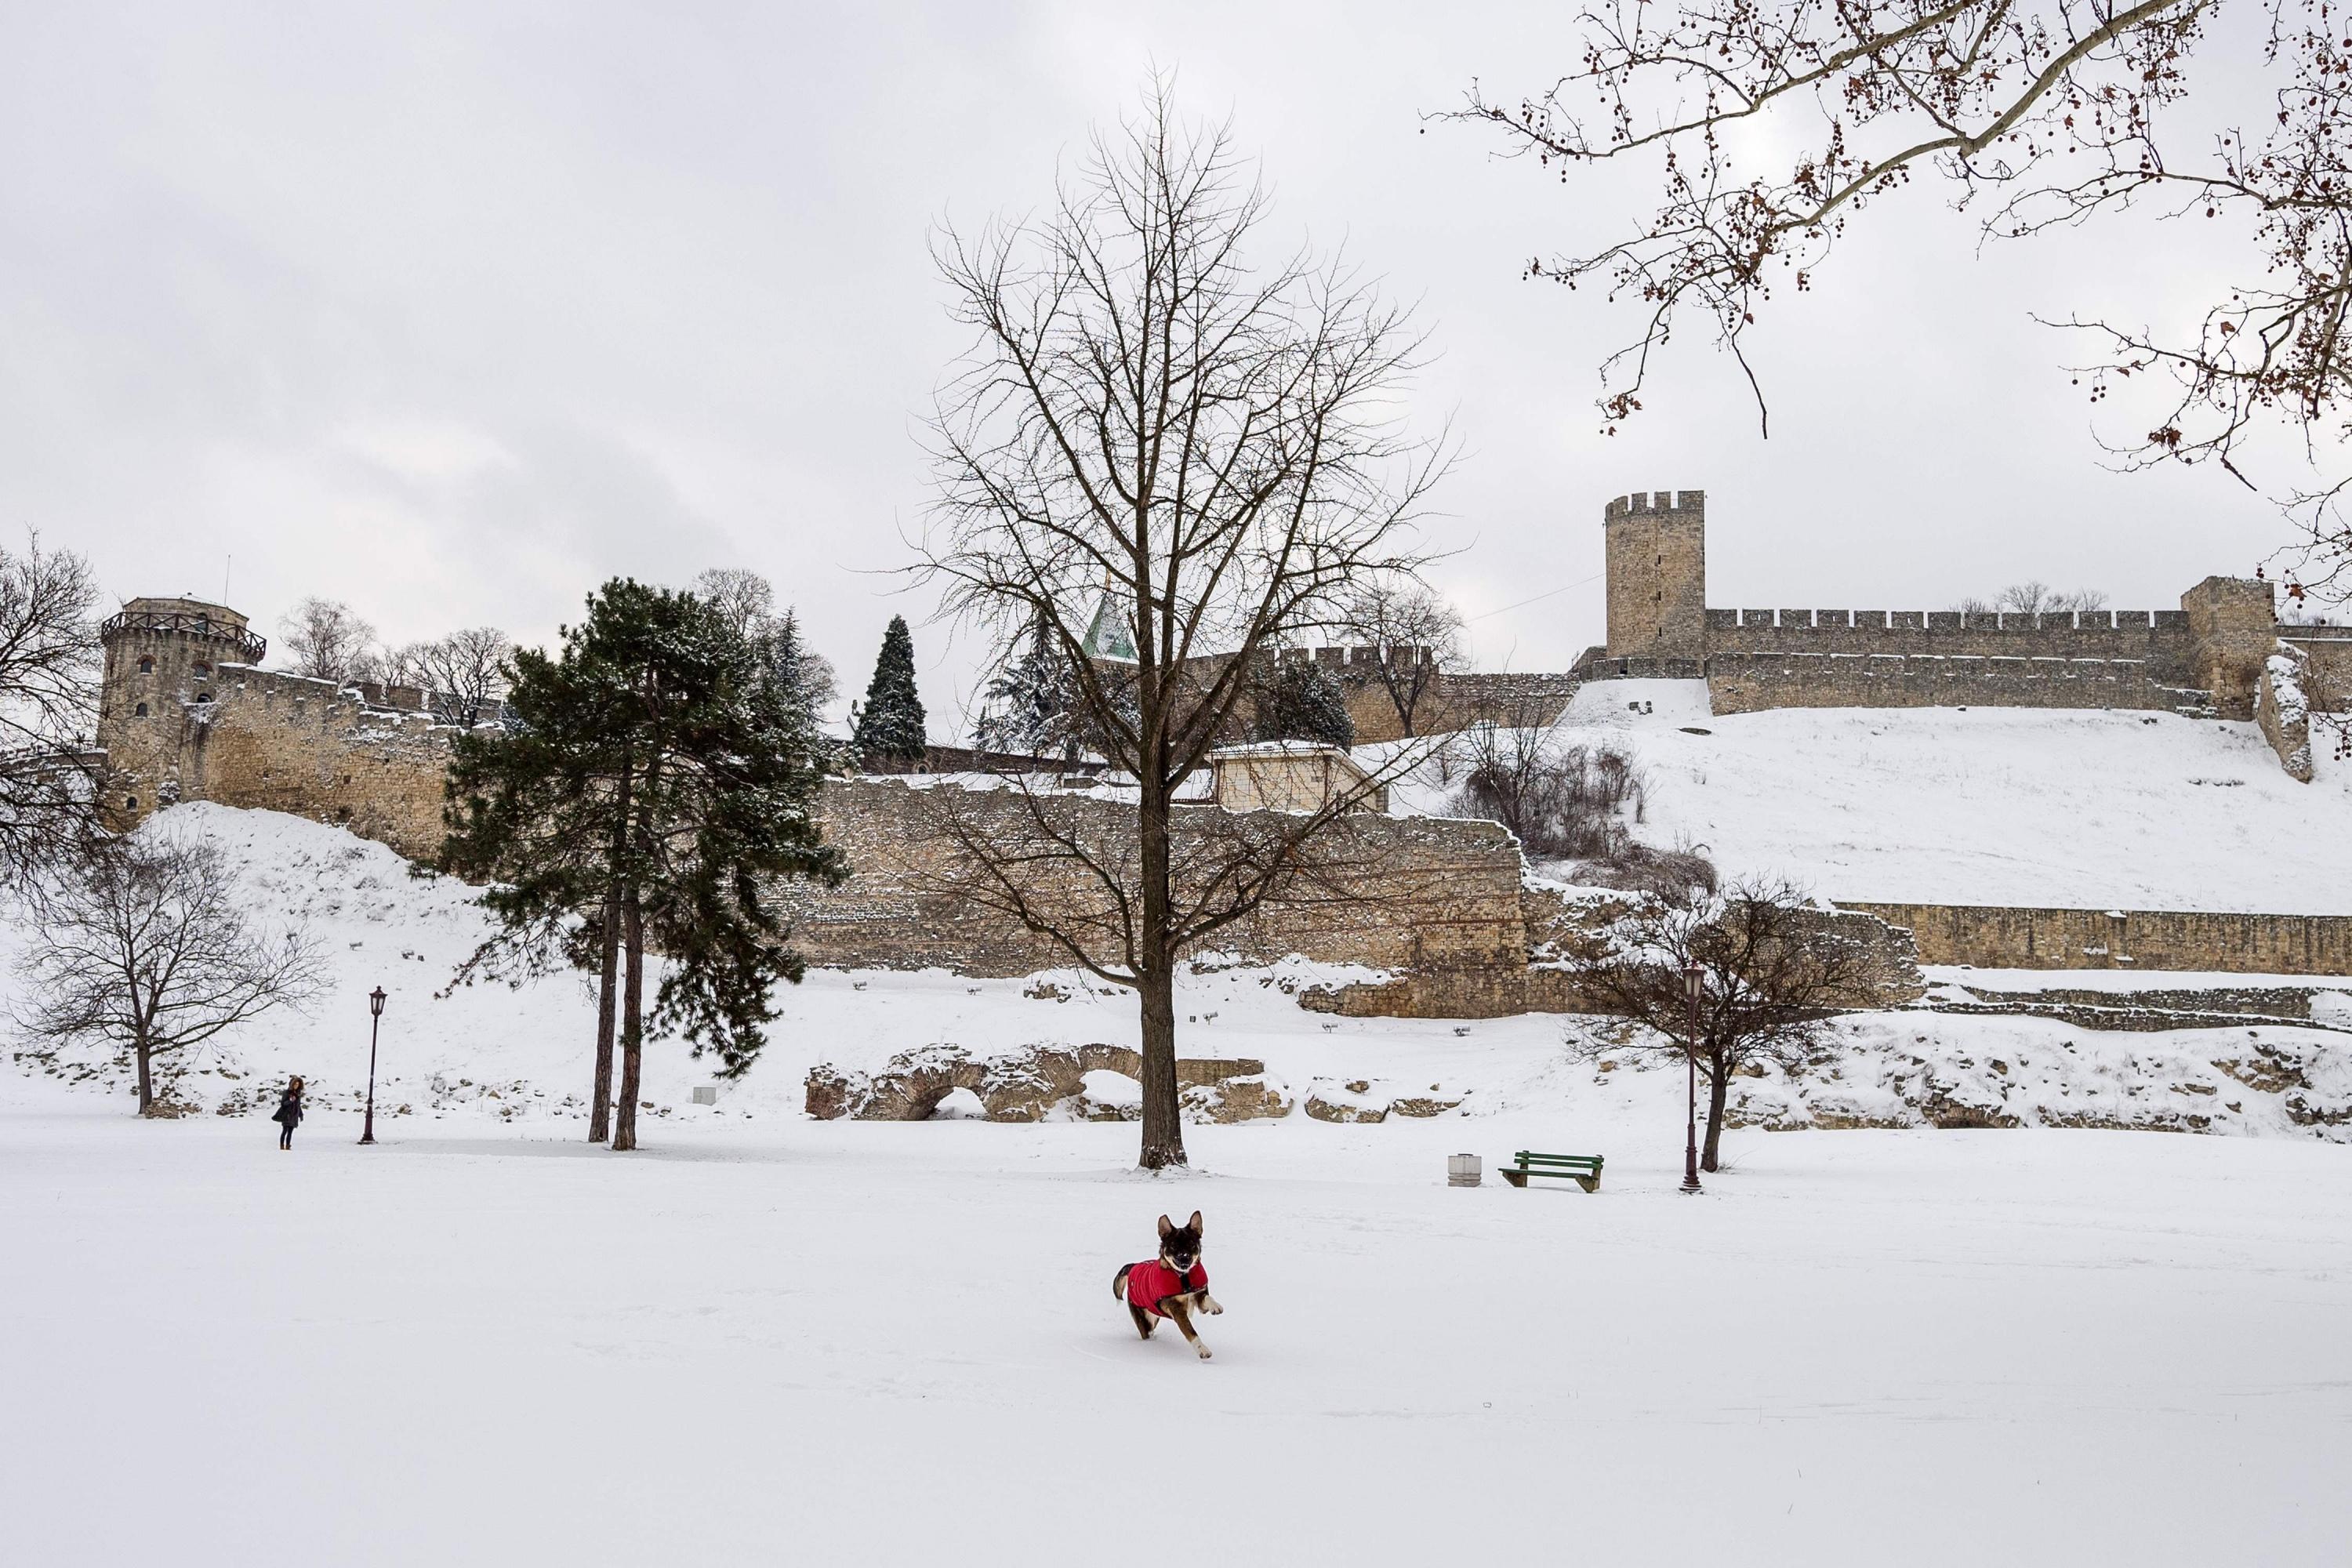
point(1150, 1282)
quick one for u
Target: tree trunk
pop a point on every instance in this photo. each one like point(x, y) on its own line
point(1717, 1086)
point(146, 1077)
point(633, 1022)
point(600, 1110)
point(608, 985)
point(1163, 1119)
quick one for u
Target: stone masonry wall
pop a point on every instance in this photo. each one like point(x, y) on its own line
point(1746, 683)
point(1656, 570)
point(2003, 937)
point(2161, 640)
point(180, 721)
point(1413, 892)
point(285, 742)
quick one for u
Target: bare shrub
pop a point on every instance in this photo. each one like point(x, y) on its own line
point(1573, 802)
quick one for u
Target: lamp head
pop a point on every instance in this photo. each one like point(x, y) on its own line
point(375, 1002)
point(1694, 983)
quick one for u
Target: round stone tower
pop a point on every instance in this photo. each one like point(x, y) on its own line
point(163, 657)
point(1657, 564)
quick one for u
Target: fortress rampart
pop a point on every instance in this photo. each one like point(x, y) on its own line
point(184, 715)
point(1750, 682)
point(2208, 657)
point(1989, 936)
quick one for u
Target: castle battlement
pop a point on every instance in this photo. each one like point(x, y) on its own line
point(1657, 503)
point(2008, 621)
point(185, 714)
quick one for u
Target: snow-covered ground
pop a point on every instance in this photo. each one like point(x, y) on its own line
point(764, 1338)
point(891, 1343)
point(1984, 806)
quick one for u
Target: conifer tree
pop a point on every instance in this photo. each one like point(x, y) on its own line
point(890, 721)
point(1298, 700)
point(1028, 700)
point(655, 782)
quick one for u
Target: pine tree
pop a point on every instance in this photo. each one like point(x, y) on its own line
point(1300, 701)
point(656, 780)
point(890, 723)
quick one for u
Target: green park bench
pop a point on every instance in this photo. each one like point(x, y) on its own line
point(1584, 1170)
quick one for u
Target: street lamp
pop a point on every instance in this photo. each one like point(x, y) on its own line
point(375, 1021)
point(1694, 990)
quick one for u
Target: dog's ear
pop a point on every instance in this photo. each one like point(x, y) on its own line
point(1195, 1222)
point(1164, 1227)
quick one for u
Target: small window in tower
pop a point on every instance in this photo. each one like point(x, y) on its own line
point(132, 801)
point(139, 711)
point(204, 697)
point(146, 665)
point(202, 668)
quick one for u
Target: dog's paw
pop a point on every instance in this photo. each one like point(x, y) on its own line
point(1209, 1305)
point(1204, 1350)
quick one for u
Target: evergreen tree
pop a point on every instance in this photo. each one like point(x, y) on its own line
point(890, 722)
point(1298, 700)
point(655, 780)
point(1028, 703)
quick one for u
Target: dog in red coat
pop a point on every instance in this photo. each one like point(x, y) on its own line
point(1174, 1285)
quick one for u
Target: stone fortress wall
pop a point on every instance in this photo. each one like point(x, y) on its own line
point(2208, 658)
point(185, 714)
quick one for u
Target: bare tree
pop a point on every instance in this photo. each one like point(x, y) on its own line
point(1416, 636)
point(2033, 597)
point(1149, 404)
point(1776, 969)
point(327, 641)
point(2040, 114)
point(147, 946)
point(748, 603)
point(464, 672)
point(48, 703)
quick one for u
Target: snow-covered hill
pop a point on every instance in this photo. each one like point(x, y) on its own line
point(494, 1052)
point(1986, 806)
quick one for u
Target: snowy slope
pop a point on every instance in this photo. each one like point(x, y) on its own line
point(1980, 805)
point(491, 1052)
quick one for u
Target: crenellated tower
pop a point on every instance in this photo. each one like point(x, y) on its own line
point(1656, 567)
point(163, 659)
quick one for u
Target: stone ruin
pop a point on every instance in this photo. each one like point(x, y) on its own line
point(1048, 1082)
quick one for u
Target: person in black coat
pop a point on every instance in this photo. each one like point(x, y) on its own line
point(289, 1112)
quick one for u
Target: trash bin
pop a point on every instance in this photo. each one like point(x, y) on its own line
point(706, 1094)
point(1463, 1169)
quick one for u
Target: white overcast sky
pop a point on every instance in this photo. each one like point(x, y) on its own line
point(455, 311)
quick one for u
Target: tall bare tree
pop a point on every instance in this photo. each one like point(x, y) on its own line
point(747, 601)
point(1775, 971)
point(464, 672)
point(1772, 126)
point(326, 640)
point(147, 946)
point(1417, 636)
point(1151, 405)
point(49, 704)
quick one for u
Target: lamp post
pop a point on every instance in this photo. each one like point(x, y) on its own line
point(375, 1022)
point(1693, 988)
